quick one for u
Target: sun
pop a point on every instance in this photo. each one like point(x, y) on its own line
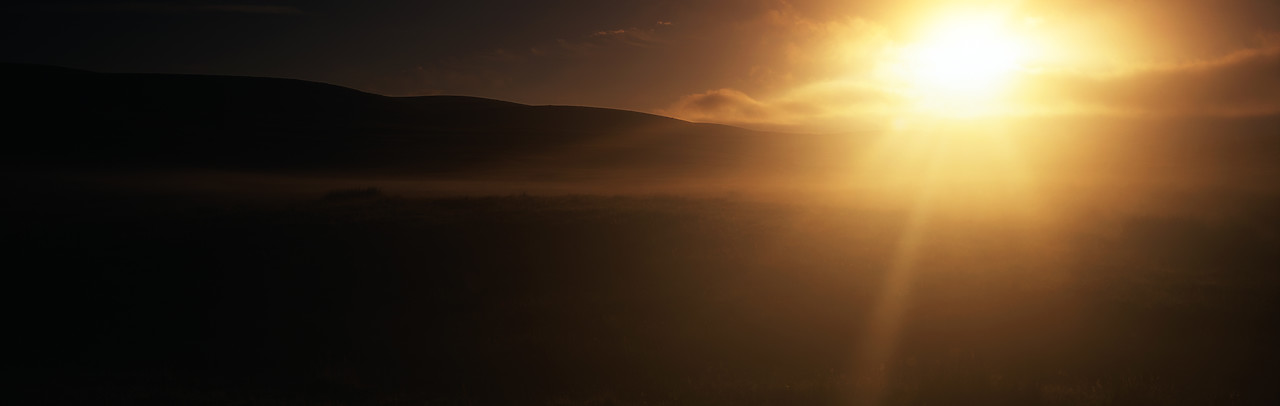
point(962, 60)
point(966, 54)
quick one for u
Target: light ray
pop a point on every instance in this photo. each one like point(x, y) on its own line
point(889, 312)
point(952, 168)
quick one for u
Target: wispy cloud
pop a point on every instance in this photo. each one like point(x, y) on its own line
point(1244, 82)
point(824, 106)
point(722, 105)
point(634, 36)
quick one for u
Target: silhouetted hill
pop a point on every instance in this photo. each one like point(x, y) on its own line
point(68, 119)
point(1084, 261)
point(88, 119)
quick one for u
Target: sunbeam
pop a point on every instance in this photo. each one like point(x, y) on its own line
point(889, 312)
point(939, 169)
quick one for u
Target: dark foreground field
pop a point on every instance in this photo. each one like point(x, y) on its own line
point(178, 239)
point(362, 297)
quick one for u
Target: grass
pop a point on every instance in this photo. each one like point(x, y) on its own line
point(359, 297)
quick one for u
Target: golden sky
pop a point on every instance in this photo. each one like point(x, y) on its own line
point(810, 65)
point(823, 65)
point(828, 64)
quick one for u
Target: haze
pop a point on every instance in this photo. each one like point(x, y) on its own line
point(704, 202)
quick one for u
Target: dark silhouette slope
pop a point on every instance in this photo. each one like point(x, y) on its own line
point(95, 120)
point(69, 119)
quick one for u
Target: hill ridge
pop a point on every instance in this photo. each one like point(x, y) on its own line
point(91, 119)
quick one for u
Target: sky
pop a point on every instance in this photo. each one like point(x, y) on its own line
point(816, 65)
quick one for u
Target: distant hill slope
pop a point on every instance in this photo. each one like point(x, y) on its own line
point(76, 118)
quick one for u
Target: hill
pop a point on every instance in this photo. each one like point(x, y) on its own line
point(82, 119)
point(68, 120)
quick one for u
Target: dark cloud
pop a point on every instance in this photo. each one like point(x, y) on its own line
point(183, 8)
point(495, 71)
point(251, 9)
point(641, 37)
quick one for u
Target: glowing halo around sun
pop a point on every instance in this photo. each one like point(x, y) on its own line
point(965, 55)
point(961, 64)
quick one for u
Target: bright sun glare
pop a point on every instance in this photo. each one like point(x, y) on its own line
point(962, 60)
